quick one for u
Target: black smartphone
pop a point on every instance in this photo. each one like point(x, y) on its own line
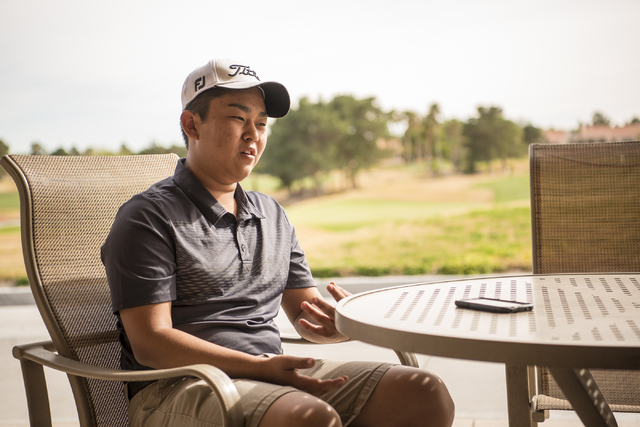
point(494, 305)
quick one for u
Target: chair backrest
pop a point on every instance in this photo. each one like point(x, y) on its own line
point(68, 204)
point(585, 207)
point(585, 214)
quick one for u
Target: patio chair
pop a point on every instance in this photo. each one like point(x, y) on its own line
point(585, 213)
point(68, 204)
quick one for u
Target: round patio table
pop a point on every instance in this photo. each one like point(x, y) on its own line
point(578, 321)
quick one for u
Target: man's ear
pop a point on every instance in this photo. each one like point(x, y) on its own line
point(190, 124)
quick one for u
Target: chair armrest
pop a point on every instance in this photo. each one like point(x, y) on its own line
point(42, 354)
point(407, 358)
point(294, 339)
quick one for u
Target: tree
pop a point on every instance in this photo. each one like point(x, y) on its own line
point(433, 148)
point(361, 123)
point(4, 149)
point(490, 136)
point(178, 150)
point(532, 135)
point(452, 137)
point(319, 137)
point(599, 119)
point(60, 152)
point(509, 138)
point(37, 149)
point(633, 120)
point(301, 145)
point(155, 148)
point(411, 137)
point(124, 150)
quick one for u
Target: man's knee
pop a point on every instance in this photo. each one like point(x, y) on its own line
point(297, 409)
point(407, 397)
point(440, 394)
point(424, 391)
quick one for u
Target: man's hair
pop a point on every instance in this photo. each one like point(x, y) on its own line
point(200, 106)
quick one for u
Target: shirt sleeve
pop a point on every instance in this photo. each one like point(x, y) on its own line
point(139, 256)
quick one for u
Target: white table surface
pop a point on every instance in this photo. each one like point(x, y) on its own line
point(578, 322)
point(590, 321)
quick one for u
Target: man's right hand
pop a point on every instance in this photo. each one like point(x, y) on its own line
point(283, 370)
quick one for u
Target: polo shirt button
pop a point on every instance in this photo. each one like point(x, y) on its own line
point(243, 247)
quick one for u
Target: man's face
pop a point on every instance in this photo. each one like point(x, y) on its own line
point(231, 138)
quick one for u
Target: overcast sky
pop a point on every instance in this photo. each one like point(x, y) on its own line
point(87, 73)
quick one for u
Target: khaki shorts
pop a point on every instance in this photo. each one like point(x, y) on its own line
point(189, 401)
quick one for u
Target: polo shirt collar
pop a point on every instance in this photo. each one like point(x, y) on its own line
point(206, 203)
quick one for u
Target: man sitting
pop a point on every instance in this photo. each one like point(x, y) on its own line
point(198, 269)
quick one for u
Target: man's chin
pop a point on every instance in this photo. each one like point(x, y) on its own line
point(245, 175)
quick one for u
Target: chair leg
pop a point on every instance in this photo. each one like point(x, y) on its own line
point(518, 404)
point(35, 385)
point(586, 398)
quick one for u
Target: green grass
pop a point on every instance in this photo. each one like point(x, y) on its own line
point(509, 189)
point(349, 215)
point(9, 201)
point(378, 237)
point(9, 230)
point(262, 183)
point(480, 242)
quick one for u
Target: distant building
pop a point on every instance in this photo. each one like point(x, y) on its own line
point(602, 133)
point(557, 136)
point(606, 133)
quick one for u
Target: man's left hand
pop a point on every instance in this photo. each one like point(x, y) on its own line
point(323, 314)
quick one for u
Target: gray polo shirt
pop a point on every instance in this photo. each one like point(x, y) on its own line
point(224, 276)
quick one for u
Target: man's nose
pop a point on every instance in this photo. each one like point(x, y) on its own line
point(251, 132)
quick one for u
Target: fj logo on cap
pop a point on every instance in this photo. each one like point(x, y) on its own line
point(243, 69)
point(199, 83)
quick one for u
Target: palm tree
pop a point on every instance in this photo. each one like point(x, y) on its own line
point(433, 145)
point(411, 140)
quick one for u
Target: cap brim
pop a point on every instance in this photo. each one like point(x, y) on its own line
point(277, 100)
point(276, 96)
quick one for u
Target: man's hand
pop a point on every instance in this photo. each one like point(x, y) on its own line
point(283, 370)
point(323, 315)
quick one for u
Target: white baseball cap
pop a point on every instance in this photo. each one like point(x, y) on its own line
point(230, 74)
